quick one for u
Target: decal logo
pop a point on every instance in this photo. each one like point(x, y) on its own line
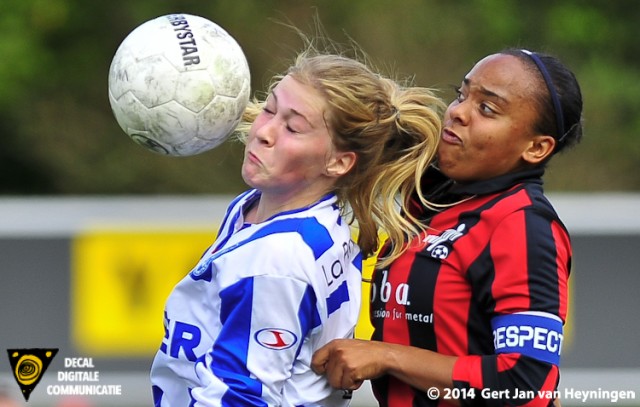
point(276, 338)
point(28, 366)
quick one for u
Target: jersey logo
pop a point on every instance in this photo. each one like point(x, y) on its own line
point(440, 246)
point(275, 338)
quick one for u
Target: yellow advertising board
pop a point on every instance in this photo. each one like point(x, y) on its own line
point(120, 282)
point(364, 329)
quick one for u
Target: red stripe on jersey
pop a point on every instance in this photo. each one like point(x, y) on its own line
point(451, 332)
point(508, 251)
point(467, 370)
point(564, 252)
point(507, 361)
point(400, 394)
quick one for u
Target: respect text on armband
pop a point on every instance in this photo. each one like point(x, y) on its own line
point(523, 336)
point(535, 336)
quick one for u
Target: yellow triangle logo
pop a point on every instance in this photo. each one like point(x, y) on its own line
point(28, 366)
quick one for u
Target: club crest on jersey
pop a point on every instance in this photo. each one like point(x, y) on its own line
point(439, 247)
point(275, 338)
point(203, 271)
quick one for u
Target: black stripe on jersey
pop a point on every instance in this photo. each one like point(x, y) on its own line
point(489, 375)
point(542, 265)
point(380, 388)
point(481, 275)
point(424, 273)
point(380, 385)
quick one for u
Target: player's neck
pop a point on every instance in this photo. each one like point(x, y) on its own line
point(268, 206)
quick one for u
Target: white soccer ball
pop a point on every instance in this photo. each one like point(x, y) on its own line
point(178, 85)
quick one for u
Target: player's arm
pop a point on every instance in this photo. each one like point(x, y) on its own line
point(349, 362)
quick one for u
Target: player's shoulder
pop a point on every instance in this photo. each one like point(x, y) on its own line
point(303, 233)
point(527, 197)
point(291, 234)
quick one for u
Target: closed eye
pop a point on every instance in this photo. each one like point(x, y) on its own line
point(267, 110)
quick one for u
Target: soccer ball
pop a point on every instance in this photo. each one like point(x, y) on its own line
point(178, 85)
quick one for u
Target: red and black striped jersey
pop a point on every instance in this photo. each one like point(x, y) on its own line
point(487, 282)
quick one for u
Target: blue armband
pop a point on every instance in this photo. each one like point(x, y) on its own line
point(537, 335)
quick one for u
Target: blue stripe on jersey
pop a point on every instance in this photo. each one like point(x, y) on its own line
point(314, 234)
point(338, 297)
point(308, 312)
point(157, 395)
point(233, 221)
point(308, 315)
point(337, 208)
point(192, 403)
point(232, 345)
point(537, 335)
point(357, 262)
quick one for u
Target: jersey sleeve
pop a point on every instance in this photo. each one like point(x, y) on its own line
point(524, 289)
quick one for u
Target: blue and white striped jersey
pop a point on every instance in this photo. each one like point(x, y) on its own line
point(241, 328)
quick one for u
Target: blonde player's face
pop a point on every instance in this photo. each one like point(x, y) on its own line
point(289, 151)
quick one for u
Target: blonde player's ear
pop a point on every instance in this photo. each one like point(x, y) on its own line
point(341, 163)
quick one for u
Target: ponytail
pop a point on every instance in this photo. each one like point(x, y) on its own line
point(411, 146)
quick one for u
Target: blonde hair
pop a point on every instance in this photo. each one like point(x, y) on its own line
point(392, 128)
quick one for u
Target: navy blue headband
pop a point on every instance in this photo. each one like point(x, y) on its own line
point(557, 107)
